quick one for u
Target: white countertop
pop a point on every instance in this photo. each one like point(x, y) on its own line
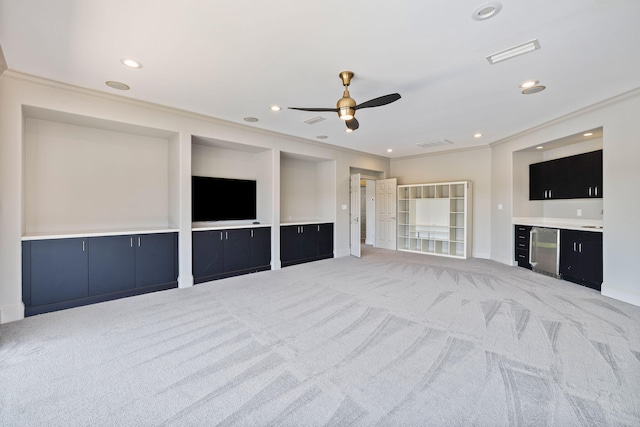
point(226, 225)
point(306, 222)
point(564, 223)
point(96, 233)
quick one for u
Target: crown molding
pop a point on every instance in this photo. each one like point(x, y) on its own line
point(99, 95)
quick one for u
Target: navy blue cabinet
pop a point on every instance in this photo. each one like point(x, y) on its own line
point(59, 270)
point(522, 236)
point(112, 264)
point(261, 247)
point(156, 259)
point(225, 253)
point(305, 243)
point(64, 273)
point(573, 177)
point(208, 254)
point(581, 257)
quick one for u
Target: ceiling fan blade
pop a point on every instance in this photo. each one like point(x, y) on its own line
point(377, 102)
point(353, 124)
point(333, 110)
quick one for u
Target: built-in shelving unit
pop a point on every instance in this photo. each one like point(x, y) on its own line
point(435, 218)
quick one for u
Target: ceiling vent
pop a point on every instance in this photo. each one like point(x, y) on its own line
point(434, 143)
point(521, 49)
point(314, 120)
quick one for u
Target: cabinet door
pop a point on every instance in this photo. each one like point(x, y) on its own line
point(592, 176)
point(261, 247)
point(156, 259)
point(208, 253)
point(59, 270)
point(559, 178)
point(591, 259)
point(325, 240)
point(539, 181)
point(289, 243)
point(521, 245)
point(309, 239)
point(569, 260)
point(237, 249)
point(111, 264)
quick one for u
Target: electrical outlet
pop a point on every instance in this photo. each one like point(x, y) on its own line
point(579, 213)
point(344, 207)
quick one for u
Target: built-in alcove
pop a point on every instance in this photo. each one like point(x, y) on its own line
point(307, 188)
point(84, 174)
point(582, 142)
point(224, 159)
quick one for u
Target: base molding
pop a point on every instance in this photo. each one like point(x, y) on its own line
point(11, 313)
point(623, 295)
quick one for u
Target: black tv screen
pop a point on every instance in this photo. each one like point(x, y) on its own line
point(222, 199)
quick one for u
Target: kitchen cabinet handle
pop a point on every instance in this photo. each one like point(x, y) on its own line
point(550, 194)
point(138, 241)
point(574, 247)
point(589, 191)
point(226, 235)
point(131, 241)
point(251, 233)
point(596, 191)
point(83, 248)
point(580, 247)
point(221, 235)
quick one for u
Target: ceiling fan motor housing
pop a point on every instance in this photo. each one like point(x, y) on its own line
point(345, 106)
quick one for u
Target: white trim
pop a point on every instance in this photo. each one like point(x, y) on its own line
point(624, 295)
point(185, 281)
point(11, 313)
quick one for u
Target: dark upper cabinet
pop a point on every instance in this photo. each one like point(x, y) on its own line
point(112, 264)
point(303, 243)
point(59, 270)
point(156, 259)
point(581, 257)
point(572, 177)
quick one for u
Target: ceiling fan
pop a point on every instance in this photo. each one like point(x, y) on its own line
point(346, 106)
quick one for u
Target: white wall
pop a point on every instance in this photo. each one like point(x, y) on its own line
point(621, 202)
point(79, 179)
point(468, 165)
point(21, 90)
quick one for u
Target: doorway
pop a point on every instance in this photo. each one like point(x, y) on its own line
point(362, 210)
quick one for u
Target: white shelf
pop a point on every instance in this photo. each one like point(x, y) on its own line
point(435, 218)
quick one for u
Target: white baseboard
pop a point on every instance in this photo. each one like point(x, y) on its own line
point(481, 255)
point(185, 281)
point(624, 295)
point(342, 252)
point(506, 261)
point(11, 313)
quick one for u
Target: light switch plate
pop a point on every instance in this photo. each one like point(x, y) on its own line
point(344, 207)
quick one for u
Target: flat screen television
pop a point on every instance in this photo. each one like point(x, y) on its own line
point(222, 199)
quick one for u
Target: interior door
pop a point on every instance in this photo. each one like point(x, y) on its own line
point(386, 213)
point(354, 214)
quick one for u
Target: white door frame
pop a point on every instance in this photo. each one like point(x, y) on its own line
point(354, 215)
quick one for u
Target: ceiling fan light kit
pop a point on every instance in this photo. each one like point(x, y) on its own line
point(346, 106)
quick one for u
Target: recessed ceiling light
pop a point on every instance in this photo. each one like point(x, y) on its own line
point(117, 85)
point(587, 134)
point(275, 108)
point(486, 11)
point(477, 135)
point(529, 83)
point(539, 147)
point(131, 63)
point(521, 49)
point(533, 89)
point(250, 119)
point(322, 137)
point(389, 150)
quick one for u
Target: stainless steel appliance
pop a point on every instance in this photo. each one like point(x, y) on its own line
point(544, 251)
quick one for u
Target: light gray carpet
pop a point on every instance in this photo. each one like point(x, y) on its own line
point(392, 339)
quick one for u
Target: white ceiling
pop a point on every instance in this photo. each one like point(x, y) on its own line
point(233, 59)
